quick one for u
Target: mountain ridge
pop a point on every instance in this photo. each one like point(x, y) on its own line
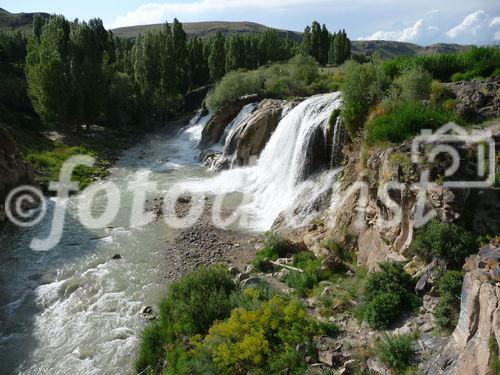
point(385, 49)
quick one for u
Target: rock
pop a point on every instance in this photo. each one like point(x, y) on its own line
point(234, 271)
point(214, 130)
point(426, 281)
point(14, 170)
point(250, 269)
point(251, 281)
point(146, 310)
point(249, 139)
point(377, 367)
point(242, 276)
point(116, 257)
point(328, 350)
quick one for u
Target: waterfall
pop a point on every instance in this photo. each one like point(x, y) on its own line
point(284, 175)
point(336, 154)
point(235, 126)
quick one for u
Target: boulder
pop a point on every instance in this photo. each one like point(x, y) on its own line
point(250, 138)
point(213, 131)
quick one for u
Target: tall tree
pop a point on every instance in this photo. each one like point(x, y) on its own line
point(217, 57)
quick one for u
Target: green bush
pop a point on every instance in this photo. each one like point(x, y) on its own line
point(387, 293)
point(274, 247)
point(439, 93)
point(192, 304)
point(233, 86)
point(405, 120)
point(450, 242)
point(302, 282)
point(473, 63)
point(448, 307)
point(494, 363)
point(298, 77)
point(397, 351)
point(363, 86)
point(413, 84)
point(261, 340)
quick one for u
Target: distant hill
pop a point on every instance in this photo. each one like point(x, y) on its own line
point(390, 49)
point(17, 21)
point(386, 49)
point(207, 29)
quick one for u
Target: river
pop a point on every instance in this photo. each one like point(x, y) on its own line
point(75, 310)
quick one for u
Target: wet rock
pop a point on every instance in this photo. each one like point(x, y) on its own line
point(116, 257)
point(214, 130)
point(146, 310)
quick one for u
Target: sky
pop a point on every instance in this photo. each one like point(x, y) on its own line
point(418, 21)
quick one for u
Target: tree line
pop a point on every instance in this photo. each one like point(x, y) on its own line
point(78, 72)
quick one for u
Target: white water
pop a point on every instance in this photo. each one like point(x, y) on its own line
point(273, 184)
point(74, 311)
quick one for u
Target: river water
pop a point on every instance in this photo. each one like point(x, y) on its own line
point(73, 310)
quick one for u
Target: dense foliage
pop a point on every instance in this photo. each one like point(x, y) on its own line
point(448, 241)
point(403, 120)
point(300, 76)
point(191, 306)
point(477, 62)
point(448, 308)
point(208, 326)
point(387, 294)
point(397, 351)
point(319, 43)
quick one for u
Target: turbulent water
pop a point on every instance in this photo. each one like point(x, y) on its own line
point(72, 310)
point(274, 185)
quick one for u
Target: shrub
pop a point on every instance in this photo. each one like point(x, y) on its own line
point(473, 63)
point(274, 247)
point(404, 120)
point(233, 86)
point(192, 304)
point(298, 77)
point(302, 282)
point(397, 351)
point(450, 242)
point(494, 363)
point(263, 339)
point(413, 84)
point(439, 93)
point(387, 293)
point(448, 308)
point(362, 87)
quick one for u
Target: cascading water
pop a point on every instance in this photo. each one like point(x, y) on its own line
point(276, 182)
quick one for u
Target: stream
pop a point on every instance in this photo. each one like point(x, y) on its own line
point(75, 310)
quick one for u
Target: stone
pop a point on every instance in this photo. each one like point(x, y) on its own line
point(250, 268)
point(146, 310)
point(377, 367)
point(234, 271)
point(251, 281)
point(116, 257)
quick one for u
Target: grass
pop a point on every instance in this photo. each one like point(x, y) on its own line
point(398, 352)
point(48, 164)
point(447, 311)
point(405, 120)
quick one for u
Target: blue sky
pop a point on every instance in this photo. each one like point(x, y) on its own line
point(418, 21)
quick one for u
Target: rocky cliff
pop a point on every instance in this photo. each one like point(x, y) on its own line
point(14, 171)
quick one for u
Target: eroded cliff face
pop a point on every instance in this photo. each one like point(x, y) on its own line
point(475, 341)
point(14, 170)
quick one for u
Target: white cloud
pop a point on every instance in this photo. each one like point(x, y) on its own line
point(476, 28)
point(415, 33)
point(198, 10)
point(472, 26)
